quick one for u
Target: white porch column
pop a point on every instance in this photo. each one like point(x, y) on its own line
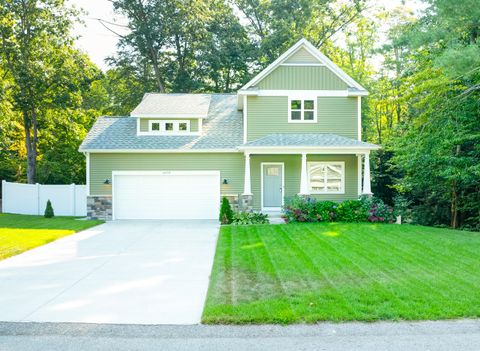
point(303, 176)
point(247, 187)
point(366, 175)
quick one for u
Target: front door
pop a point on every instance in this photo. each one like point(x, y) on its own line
point(272, 188)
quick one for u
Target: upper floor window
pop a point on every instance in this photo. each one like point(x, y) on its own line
point(302, 110)
point(326, 177)
point(161, 126)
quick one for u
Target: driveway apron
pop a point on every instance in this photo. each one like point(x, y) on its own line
point(126, 272)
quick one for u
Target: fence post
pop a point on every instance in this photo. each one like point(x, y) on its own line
point(4, 187)
point(72, 187)
point(38, 198)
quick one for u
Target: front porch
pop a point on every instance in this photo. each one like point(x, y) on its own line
point(274, 173)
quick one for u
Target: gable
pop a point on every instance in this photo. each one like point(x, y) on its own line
point(301, 56)
point(304, 54)
point(302, 78)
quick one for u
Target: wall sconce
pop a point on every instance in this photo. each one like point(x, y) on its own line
point(225, 181)
point(106, 181)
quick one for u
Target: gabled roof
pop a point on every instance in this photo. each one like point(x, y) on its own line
point(304, 44)
point(307, 140)
point(222, 130)
point(173, 105)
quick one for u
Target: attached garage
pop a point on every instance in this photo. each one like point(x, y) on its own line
point(166, 194)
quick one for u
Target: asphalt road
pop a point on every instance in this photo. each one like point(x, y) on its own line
point(443, 335)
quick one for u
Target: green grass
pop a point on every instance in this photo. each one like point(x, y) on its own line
point(19, 233)
point(343, 272)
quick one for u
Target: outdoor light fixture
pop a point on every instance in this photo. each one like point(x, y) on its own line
point(106, 181)
point(225, 181)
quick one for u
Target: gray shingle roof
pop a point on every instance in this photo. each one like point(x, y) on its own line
point(308, 140)
point(195, 105)
point(223, 129)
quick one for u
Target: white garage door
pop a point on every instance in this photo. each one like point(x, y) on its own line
point(166, 195)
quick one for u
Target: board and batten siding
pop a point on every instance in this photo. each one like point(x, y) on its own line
point(230, 165)
point(302, 56)
point(292, 164)
point(144, 123)
point(302, 78)
point(269, 114)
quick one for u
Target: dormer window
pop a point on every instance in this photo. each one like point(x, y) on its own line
point(302, 110)
point(167, 127)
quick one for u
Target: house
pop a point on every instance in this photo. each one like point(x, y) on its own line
point(295, 128)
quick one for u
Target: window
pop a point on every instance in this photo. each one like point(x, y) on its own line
point(166, 127)
point(302, 110)
point(326, 177)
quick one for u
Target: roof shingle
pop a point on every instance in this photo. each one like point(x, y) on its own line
point(222, 129)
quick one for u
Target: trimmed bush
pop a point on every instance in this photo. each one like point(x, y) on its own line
point(244, 218)
point(351, 211)
point(308, 209)
point(49, 210)
point(226, 213)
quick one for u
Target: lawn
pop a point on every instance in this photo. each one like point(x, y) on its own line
point(19, 233)
point(343, 272)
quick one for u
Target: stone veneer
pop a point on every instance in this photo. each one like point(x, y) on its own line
point(246, 203)
point(99, 207)
point(233, 199)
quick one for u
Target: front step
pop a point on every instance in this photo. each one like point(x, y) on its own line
point(275, 217)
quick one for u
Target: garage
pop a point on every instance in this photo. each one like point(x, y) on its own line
point(166, 194)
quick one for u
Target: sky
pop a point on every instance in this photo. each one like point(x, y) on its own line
point(99, 43)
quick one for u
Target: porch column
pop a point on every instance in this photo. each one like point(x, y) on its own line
point(247, 187)
point(303, 176)
point(366, 175)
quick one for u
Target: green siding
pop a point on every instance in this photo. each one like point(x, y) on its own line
point(230, 165)
point(269, 114)
point(292, 175)
point(302, 78)
point(144, 123)
point(302, 56)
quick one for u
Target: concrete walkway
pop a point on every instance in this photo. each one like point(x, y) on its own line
point(436, 336)
point(147, 272)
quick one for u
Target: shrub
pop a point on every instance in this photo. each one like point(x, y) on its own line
point(49, 210)
point(366, 209)
point(377, 210)
point(300, 209)
point(326, 211)
point(226, 213)
point(244, 218)
point(351, 211)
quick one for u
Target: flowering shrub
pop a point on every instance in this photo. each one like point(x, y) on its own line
point(376, 210)
point(308, 209)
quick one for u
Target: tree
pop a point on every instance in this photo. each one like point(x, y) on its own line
point(34, 51)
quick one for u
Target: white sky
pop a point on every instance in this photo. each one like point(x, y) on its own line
point(99, 42)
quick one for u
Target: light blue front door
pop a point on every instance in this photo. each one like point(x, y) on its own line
point(272, 185)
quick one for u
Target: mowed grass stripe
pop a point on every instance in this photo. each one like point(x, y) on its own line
point(374, 278)
point(398, 273)
point(349, 272)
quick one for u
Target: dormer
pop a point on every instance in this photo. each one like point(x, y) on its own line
point(171, 114)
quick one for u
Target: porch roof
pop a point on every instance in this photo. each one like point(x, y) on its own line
point(307, 140)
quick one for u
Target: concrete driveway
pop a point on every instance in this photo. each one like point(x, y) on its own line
point(145, 272)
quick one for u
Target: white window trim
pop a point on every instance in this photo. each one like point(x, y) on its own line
point(162, 130)
point(336, 163)
point(302, 98)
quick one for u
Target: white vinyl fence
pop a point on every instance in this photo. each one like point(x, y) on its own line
point(67, 200)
